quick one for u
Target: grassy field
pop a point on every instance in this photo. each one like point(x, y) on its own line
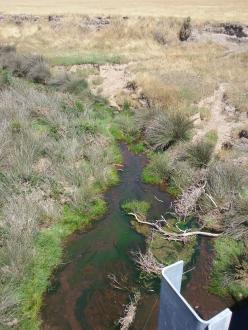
point(55, 133)
point(197, 9)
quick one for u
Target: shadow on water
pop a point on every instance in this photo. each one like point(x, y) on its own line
point(83, 297)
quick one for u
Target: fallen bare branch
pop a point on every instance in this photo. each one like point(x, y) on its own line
point(172, 235)
point(147, 263)
point(157, 199)
point(129, 312)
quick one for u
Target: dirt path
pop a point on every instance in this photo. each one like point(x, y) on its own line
point(223, 118)
point(113, 80)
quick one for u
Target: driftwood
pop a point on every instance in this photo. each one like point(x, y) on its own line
point(157, 226)
point(186, 204)
point(129, 312)
point(147, 262)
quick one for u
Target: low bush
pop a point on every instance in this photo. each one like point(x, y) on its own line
point(126, 124)
point(157, 170)
point(199, 154)
point(160, 37)
point(32, 67)
point(183, 175)
point(168, 128)
point(224, 183)
point(5, 79)
point(229, 273)
point(186, 30)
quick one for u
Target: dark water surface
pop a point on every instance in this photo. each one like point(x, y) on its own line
point(82, 297)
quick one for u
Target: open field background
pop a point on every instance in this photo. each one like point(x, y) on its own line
point(197, 9)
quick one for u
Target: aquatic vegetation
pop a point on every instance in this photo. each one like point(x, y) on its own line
point(135, 206)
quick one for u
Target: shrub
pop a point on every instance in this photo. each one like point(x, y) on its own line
point(160, 37)
point(5, 79)
point(39, 72)
point(186, 30)
point(167, 129)
point(126, 123)
point(230, 268)
point(75, 85)
point(200, 153)
point(157, 170)
point(183, 175)
point(224, 182)
point(33, 67)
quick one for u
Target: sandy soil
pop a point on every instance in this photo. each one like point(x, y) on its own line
point(223, 118)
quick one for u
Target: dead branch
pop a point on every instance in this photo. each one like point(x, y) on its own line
point(118, 284)
point(172, 235)
point(129, 312)
point(157, 199)
point(186, 204)
point(147, 263)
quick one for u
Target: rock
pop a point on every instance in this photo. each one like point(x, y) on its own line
point(234, 30)
point(243, 134)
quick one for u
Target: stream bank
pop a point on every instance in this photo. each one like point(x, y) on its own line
point(81, 296)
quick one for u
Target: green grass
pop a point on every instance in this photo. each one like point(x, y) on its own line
point(97, 58)
point(149, 177)
point(49, 253)
point(137, 148)
point(158, 169)
point(229, 254)
point(135, 206)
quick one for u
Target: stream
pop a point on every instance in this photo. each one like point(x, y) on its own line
point(81, 297)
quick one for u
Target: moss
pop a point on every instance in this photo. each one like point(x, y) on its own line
point(168, 252)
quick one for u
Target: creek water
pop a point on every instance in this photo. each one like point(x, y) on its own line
point(81, 296)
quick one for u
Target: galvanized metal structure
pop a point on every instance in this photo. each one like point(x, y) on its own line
point(176, 313)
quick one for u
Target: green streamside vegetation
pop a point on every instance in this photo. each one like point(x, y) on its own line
point(57, 157)
point(183, 165)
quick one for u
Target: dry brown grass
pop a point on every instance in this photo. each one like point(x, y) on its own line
point(199, 9)
point(172, 75)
